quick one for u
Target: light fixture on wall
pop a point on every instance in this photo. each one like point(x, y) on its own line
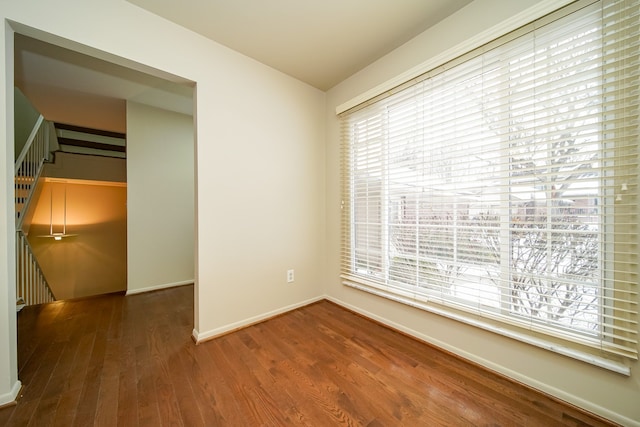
point(58, 235)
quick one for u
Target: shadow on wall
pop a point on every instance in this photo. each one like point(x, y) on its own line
point(94, 260)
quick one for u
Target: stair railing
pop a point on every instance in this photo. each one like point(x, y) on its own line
point(31, 285)
point(29, 165)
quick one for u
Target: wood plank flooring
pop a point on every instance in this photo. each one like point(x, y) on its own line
point(130, 361)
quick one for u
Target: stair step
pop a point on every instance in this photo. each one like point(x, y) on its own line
point(23, 186)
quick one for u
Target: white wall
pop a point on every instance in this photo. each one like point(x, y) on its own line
point(160, 198)
point(260, 161)
point(9, 383)
point(260, 198)
point(606, 393)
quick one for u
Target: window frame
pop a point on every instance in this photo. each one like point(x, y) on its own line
point(405, 293)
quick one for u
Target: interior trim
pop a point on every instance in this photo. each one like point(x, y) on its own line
point(525, 17)
point(559, 395)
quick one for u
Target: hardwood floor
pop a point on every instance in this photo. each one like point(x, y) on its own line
point(130, 361)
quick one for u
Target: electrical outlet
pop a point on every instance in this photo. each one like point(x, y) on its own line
point(289, 276)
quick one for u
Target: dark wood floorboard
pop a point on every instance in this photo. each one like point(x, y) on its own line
point(130, 361)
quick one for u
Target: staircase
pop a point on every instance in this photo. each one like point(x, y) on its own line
point(23, 186)
point(31, 285)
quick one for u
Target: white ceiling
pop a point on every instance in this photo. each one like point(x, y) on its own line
point(70, 87)
point(321, 42)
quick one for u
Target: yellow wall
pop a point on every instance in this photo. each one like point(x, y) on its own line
point(94, 260)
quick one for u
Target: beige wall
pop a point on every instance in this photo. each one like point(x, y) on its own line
point(94, 261)
point(160, 162)
point(260, 161)
point(260, 204)
point(263, 174)
point(609, 394)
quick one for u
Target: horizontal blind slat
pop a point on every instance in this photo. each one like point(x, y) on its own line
point(504, 184)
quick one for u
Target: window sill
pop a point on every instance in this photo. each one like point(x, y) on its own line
point(582, 356)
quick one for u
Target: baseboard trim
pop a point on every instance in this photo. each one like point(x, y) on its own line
point(579, 404)
point(9, 399)
point(200, 337)
point(158, 287)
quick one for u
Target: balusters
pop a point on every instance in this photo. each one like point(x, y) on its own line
point(31, 285)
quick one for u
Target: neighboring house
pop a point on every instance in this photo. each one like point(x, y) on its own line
point(267, 185)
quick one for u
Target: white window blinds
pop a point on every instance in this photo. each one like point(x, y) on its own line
point(505, 184)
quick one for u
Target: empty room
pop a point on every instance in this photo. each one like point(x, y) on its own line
point(327, 213)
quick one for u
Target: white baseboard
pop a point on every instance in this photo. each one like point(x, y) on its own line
point(9, 398)
point(158, 287)
point(200, 337)
point(531, 382)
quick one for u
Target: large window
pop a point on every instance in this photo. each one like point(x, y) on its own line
point(505, 184)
